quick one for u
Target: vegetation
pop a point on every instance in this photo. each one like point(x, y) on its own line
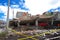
point(3, 34)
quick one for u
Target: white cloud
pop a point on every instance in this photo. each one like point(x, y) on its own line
point(57, 4)
point(1, 11)
point(54, 2)
point(4, 10)
point(15, 6)
point(40, 6)
point(35, 6)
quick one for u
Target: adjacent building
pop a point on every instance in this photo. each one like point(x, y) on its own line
point(23, 15)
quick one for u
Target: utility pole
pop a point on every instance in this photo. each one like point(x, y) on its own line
point(13, 13)
point(7, 20)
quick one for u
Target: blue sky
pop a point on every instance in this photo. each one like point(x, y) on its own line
point(32, 6)
point(55, 9)
point(14, 4)
point(20, 3)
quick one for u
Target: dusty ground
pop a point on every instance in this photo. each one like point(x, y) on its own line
point(37, 35)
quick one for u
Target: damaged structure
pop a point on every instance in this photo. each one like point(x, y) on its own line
point(47, 20)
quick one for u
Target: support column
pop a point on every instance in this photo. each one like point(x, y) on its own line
point(19, 26)
point(36, 23)
point(18, 23)
point(52, 21)
point(28, 24)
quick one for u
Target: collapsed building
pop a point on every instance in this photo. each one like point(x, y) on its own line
point(48, 19)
